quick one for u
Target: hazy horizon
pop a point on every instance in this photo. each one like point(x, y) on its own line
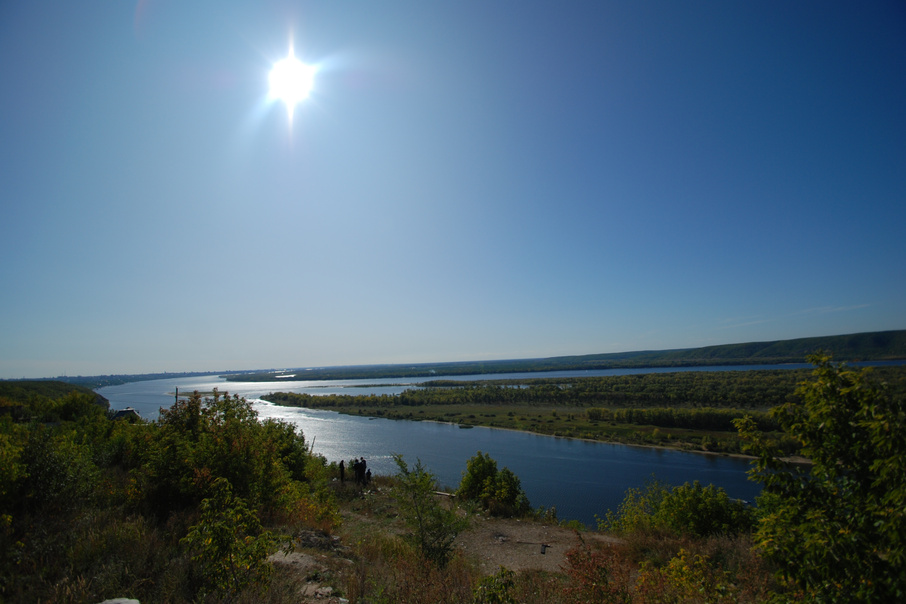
point(468, 181)
point(401, 363)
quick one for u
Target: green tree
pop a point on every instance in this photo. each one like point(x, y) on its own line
point(434, 526)
point(477, 482)
point(699, 510)
point(499, 492)
point(12, 467)
point(59, 472)
point(837, 526)
point(229, 543)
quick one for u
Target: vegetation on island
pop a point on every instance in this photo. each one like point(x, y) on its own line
point(683, 410)
point(195, 506)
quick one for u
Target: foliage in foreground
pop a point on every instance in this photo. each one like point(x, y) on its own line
point(690, 509)
point(229, 543)
point(92, 508)
point(433, 526)
point(837, 527)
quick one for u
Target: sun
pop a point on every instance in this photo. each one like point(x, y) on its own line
point(291, 81)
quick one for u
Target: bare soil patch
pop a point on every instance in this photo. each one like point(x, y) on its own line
point(490, 542)
point(520, 544)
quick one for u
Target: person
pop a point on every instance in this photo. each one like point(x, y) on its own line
point(342, 472)
point(367, 477)
point(361, 466)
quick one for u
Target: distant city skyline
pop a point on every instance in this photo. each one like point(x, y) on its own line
point(468, 181)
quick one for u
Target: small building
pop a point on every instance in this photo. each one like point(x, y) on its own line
point(128, 413)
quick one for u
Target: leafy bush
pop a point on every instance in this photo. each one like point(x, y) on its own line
point(229, 543)
point(497, 588)
point(434, 527)
point(688, 509)
point(59, 472)
point(686, 578)
point(266, 463)
point(499, 492)
point(836, 528)
point(92, 508)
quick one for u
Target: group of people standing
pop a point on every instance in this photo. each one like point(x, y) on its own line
point(360, 470)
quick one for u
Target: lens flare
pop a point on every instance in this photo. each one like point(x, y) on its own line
point(291, 82)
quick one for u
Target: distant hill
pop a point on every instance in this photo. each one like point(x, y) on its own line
point(100, 381)
point(872, 346)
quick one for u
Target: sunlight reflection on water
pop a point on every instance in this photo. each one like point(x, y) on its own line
point(582, 479)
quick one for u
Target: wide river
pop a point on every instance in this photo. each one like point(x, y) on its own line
point(582, 479)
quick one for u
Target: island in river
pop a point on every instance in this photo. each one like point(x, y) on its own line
point(692, 411)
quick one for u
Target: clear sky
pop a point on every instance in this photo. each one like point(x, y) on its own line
point(467, 180)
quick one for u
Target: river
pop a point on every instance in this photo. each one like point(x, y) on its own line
point(581, 479)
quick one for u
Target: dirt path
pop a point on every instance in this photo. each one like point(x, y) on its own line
point(519, 545)
point(490, 542)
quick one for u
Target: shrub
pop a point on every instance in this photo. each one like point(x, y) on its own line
point(497, 588)
point(690, 509)
point(686, 578)
point(59, 472)
point(836, 528)
point(434, 527)
point(598, 575)
point(499, 492)
point(229, 543)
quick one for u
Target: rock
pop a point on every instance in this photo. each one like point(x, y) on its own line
point(316, 540)
point(323, 592)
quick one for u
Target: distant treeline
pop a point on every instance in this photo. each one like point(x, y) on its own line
point(99, 381)
point(873, 346)
point(654, 395)
point(686, 410)
point(719, 420)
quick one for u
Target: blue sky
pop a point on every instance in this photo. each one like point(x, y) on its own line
point(468, 180)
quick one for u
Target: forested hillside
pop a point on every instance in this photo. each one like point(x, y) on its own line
point(16, 394)
point(874, 346)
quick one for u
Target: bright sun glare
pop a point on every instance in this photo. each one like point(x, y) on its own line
point(291, 81)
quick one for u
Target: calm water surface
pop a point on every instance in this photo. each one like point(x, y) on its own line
point(581, 479)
